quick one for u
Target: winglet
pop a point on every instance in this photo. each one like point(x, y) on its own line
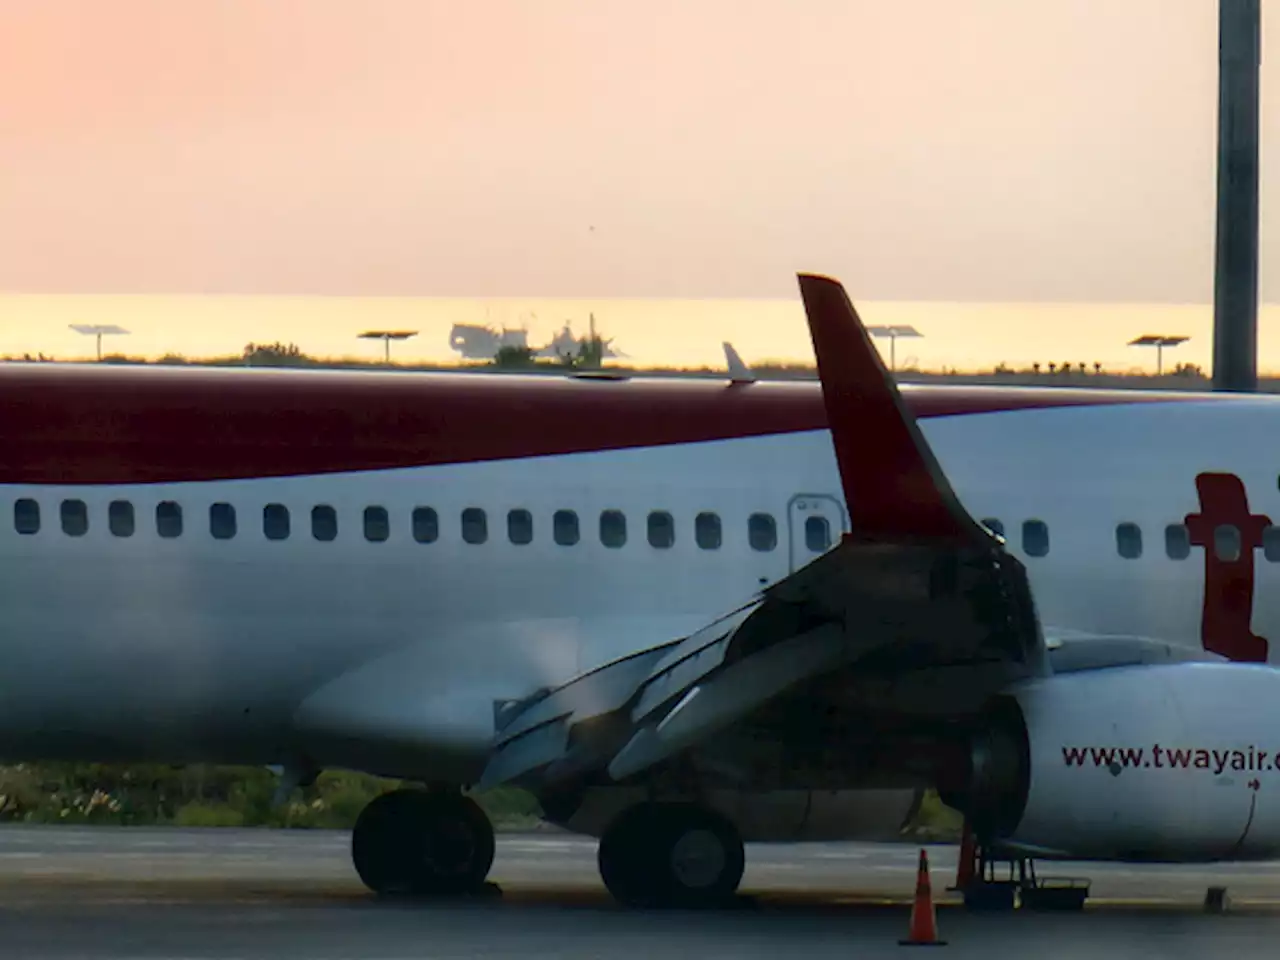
point(893, 486)
point(739, 372)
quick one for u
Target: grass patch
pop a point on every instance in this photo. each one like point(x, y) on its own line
point(209, 796)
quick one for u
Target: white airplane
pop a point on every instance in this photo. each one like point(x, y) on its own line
point(686, 614)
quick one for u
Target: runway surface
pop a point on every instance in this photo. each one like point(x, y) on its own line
point(133, 892)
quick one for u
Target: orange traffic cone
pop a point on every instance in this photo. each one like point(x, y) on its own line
point(924, 925)
point(966, 868)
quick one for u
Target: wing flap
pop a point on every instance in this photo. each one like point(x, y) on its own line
point(523, 746)
point(598, 691)
point(690, 660)
point(730, 695)
point(537, 748)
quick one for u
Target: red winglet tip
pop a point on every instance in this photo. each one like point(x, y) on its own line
point(892, 484)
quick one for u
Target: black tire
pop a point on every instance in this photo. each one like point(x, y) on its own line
point(410, 842)
point(671, 855)
point(702, 858)
point(626, 857)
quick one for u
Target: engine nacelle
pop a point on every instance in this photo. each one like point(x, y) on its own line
point(773, 816)
point(1145, 763)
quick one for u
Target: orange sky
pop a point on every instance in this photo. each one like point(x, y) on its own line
point(983, 150)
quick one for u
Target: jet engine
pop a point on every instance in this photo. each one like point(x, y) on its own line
point(1176, 762)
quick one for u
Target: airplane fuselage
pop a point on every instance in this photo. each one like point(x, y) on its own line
point(255, 566)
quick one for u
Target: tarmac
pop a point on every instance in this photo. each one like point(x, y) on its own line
point(175, 893)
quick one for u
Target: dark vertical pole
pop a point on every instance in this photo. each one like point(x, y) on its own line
point(1235, 282)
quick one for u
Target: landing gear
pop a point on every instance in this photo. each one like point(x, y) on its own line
point(419, 843)
point(671, 855)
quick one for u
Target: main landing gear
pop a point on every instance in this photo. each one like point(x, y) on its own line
point(423, 843)
point(671, 855)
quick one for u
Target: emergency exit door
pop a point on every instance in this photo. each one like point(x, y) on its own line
point(816, 523)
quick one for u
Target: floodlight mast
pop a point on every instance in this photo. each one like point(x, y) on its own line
point(386, 336)
point(893, 332)
point(98, 330)
point(1159, 341)
point(1235, 279)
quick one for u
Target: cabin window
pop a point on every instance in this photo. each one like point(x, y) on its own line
point(120, 520)
point(1035, 538)
point(762, 532)
point(26, 517)
point(1177, 541)
point(662, 530)
point(1129, 540)
point(707, 531)
point(817, 534)
point(275, 521)
point(324, 523)
point(613, 528)
point(565, 528)
point(1271, 543)
point(426, 525)
point(1226, 542)
point(520, 527)
point(168, 519)
point(222, 521)
point(75, 518)
point(475, 525)
point(377, 524)
point(994, 525)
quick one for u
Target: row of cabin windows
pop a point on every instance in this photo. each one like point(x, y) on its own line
point(762, 528)
point(1227, 541)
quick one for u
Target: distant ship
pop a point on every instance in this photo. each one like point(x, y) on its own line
point(479, 342)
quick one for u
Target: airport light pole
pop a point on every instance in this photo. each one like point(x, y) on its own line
point(1159, 341)
point(1235, 279)
point(893, 333)
point(99, 330)
point(386, 336)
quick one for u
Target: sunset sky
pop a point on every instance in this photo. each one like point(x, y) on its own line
point(962, 163)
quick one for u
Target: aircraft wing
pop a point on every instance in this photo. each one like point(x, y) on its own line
point(917, 585)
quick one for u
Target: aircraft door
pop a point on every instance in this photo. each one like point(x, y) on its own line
point(816, 522)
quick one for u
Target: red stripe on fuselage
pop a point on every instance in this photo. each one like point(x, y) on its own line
point(105, 425)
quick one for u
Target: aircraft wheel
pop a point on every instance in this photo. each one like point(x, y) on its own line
point(411, 842)
point(671, 855)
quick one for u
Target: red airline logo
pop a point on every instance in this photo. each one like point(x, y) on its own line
point(1227, 616)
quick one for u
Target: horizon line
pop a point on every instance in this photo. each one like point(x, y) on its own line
point(585, 298)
